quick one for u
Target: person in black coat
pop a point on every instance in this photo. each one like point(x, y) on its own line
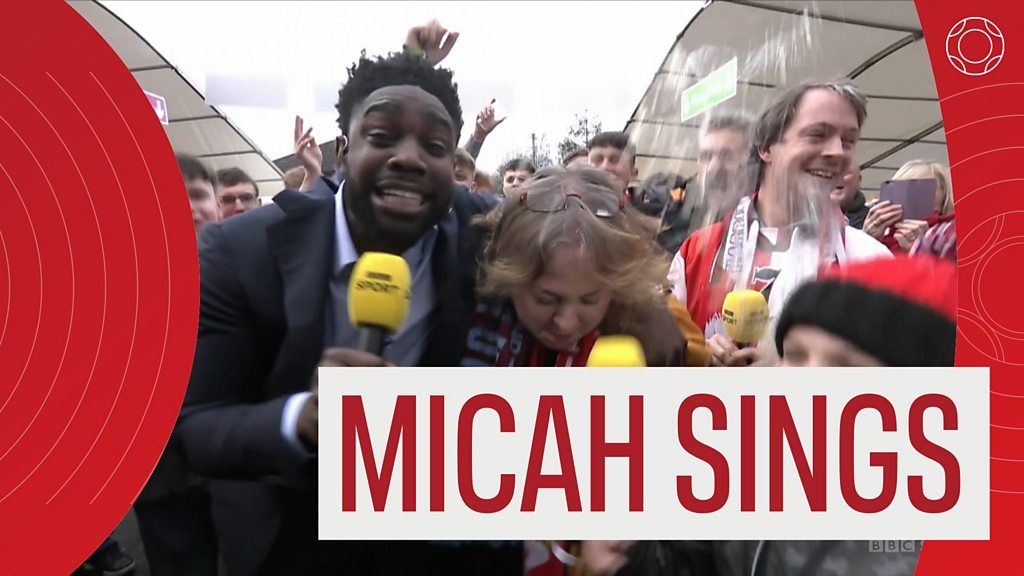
point(270, 279)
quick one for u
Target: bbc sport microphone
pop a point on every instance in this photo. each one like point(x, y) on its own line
point(378, 298)
point(745, 315)
point(616, 351)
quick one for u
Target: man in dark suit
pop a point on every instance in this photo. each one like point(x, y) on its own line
point(273, 284)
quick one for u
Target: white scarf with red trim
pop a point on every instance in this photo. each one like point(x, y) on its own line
point(774, 272)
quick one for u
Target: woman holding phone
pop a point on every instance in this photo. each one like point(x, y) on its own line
point(885, 220)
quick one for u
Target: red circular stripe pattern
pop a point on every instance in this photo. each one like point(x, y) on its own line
point(98, 289)
point(983, 122)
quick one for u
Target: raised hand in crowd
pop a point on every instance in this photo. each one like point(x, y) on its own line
point(880, 217)
point(486, 122)
point(432, 40)
point(308, 153)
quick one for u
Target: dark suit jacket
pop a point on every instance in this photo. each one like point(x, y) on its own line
point(264, 286)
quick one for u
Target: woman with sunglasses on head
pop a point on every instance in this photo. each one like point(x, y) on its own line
point(566, 260)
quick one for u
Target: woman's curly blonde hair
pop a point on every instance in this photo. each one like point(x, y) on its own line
point(621, 245)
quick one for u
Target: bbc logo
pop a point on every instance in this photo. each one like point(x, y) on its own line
point(890, 546)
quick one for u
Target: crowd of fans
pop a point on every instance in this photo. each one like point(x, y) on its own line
point(526, 269)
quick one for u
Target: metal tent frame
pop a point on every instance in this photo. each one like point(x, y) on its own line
point(877, 44)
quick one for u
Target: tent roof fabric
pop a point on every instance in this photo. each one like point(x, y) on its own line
point(778, 44)
point(194, 126)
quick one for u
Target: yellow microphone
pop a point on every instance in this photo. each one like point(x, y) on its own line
point(745, 315)
point(378, 298)
point(617, 351)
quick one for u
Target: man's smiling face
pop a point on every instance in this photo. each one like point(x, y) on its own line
point(399, 166)
point(817, 147)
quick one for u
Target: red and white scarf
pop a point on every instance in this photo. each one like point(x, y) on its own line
point(497, 338)
point(774, 272)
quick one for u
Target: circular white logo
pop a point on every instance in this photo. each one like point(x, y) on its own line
point(975, 46)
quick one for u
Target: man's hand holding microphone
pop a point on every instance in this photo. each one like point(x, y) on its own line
point(745, 316)
point(378, 302)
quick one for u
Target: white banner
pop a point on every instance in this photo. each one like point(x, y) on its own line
point(753, 453)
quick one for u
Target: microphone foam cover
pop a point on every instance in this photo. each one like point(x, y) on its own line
point(617, 351)
point(379, 291)
point(745, 315)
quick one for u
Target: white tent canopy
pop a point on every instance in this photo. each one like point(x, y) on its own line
point(879, 45)
point(194, 126)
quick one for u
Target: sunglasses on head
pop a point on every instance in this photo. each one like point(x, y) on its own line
point(601, 204)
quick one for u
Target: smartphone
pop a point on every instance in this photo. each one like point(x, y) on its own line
point(916, 196)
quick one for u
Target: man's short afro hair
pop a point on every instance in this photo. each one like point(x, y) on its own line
point(397, 69)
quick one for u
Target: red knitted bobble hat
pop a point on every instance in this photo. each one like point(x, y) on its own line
point(901, 311)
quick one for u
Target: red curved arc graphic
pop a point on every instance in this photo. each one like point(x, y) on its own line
point(100, 293)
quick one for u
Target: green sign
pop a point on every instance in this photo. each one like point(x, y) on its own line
point(714, 89)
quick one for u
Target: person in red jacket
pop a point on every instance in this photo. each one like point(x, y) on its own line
point(788, 229)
